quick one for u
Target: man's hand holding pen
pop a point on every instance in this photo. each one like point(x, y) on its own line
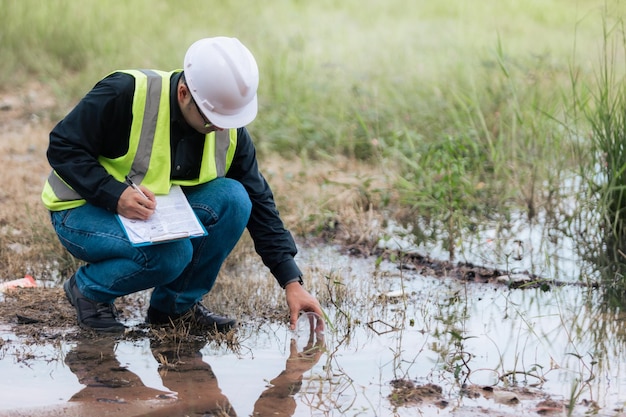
point(136, 202)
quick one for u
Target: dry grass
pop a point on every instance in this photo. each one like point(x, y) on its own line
point(330, 199)
point(336, 201)
point(26, 240)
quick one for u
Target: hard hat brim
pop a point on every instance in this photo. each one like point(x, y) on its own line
point(232, 121)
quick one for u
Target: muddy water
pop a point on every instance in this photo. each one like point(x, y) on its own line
point(479, 348)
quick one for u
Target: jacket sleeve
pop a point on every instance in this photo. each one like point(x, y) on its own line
point(271, 240)
point(98, 126)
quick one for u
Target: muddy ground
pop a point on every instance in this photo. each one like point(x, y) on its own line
point(43, 315)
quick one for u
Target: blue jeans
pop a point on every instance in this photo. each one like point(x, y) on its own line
point(181, 272)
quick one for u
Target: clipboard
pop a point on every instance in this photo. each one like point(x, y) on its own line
point(173, 219)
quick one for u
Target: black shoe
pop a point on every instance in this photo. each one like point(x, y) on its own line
point(198, 318)
point(100, 317)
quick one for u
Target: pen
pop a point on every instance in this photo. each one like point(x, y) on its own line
point(132, 184)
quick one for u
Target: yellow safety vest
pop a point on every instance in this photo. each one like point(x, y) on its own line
point(148, 159)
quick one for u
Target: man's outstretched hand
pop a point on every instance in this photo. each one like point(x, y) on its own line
point(299, 299)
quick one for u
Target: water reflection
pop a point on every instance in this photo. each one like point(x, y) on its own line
point(278, 399)
point(183, 371)
point(192, 384)
point(95, 364)
point(605, 323)
point(566, 343)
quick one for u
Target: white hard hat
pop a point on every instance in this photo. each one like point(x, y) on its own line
point(223, 78)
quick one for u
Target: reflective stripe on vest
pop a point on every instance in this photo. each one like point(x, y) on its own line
point(152, 86)
point(148, 156)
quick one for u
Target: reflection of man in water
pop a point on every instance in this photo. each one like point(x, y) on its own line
point(94, 362)
point(183, 371)
point(277, 400)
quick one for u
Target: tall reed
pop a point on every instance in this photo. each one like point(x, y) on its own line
point(602, 214)
point(498, 150)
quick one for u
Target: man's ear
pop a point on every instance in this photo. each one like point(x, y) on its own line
point(182, 93)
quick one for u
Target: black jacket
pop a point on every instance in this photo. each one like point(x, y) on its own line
point(100, 126)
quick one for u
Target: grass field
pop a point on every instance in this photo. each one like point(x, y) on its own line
point(449, 117)
point(449, 113)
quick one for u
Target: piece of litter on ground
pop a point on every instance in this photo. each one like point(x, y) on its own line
point(26, 282)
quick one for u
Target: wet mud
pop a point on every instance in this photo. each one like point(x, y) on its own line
point(398, 356)
point(188, 385)
point(110, 388)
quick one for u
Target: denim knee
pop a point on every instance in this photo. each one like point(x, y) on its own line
point(221, 199)
point(167, 261)
point(239, 204)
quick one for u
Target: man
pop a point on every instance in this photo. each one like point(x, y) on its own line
point(184, 127)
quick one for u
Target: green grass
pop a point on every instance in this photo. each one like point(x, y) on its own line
point(467, 106)
point(602, 163)
point(322, 63)
point(460, 102)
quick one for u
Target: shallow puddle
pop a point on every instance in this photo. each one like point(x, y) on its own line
point(402, 344)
